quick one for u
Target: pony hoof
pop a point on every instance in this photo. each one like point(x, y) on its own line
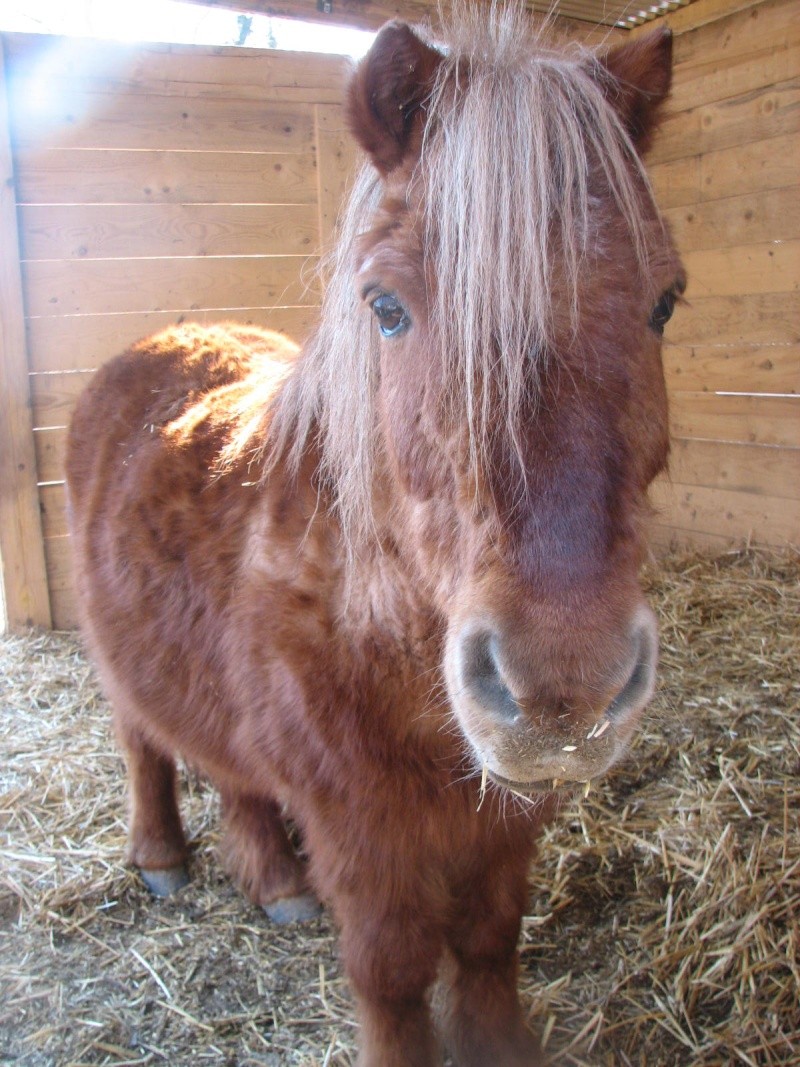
point(294, 909)
point(164, 883)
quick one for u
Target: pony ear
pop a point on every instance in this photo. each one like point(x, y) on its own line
point(387, 93)
point(641, 75)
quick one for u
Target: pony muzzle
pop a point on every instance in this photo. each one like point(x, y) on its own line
point(524, 745)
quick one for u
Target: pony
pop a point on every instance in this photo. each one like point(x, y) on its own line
point(387, 585)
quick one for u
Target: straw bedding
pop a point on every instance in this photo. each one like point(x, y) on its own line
point(664, 926)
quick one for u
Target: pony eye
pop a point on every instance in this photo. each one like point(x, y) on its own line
point(662, 312)
point(391, 315)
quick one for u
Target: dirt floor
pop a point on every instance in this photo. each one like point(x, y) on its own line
point(664, 922)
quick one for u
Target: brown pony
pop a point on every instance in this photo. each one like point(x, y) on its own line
point(389, 584)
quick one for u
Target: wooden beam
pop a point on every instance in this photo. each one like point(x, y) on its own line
point(23, 588)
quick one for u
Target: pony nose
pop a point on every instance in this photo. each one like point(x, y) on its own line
point(483, 678)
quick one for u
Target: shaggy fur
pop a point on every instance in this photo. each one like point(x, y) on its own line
point(391, 582)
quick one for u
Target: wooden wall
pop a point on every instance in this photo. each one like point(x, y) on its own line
point(154, 184)
point(726, 167)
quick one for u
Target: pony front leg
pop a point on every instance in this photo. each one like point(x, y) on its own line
point(482, 1018)
point(157, 841)
point(391, 962)
point(261, 860)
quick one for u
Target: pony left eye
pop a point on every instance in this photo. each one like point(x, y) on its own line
point(391, 315)
point(662, 312)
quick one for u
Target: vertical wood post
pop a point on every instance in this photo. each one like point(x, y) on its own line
point(23, 581)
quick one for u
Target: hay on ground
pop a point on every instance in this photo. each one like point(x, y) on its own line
point(664, 926)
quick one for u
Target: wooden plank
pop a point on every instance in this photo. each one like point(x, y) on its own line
point(726, 513)
point(741, 468)
point(734, 368)
point(104, 66)
point(663, 538)
point(746, 419)
point(53, 399)
point(122, 85)
point(84, 342)
point(59, 564)
point(65, 610)
point(722, 79)
point(772, 215)
point(24, 599)
point(61, 581)
point(63, 287)
point(103, 120)
point(50, 452)
point(118, 176)
point(772, 163)
point(106, 231)
point(772, 112)
point(769, 163)
point(337, 159)
point(743, 29)
point(54, 510)
point(676, 182)
point(762, 268)
point(758, 318)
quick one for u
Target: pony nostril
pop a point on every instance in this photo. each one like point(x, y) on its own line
point(481, 676)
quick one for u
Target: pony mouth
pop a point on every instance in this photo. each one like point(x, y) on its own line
point(541, 787)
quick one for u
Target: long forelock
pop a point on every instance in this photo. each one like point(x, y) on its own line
point(519, 137)
point(515, 127)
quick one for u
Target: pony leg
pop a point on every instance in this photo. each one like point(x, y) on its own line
point(261, 860)
point(157, 841)
point(482, 1019)
point(391, 963)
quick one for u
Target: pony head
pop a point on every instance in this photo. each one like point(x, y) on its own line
point(491, 351)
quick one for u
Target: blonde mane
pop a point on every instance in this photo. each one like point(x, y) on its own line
point(516, 128)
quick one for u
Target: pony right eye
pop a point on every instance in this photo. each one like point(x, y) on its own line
point(391, 315)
